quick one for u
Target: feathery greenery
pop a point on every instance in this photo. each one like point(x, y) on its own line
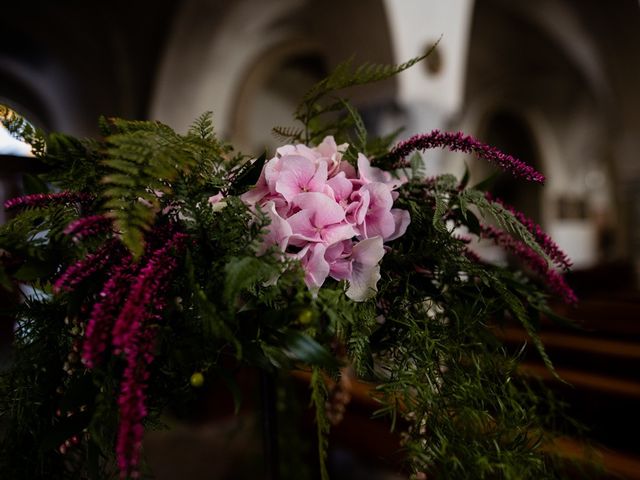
point(427, 339)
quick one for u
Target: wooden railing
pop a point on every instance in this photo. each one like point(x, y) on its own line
point(600, 363)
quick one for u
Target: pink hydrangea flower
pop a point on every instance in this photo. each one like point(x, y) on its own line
point(329, 215)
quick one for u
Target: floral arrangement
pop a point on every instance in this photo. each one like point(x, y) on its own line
point(149, 262)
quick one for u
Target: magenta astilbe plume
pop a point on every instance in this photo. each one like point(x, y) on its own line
point(95, 262)
point(105, 311)
point(132, 403)
point(38, 200)
point(554, 280)
point(88, 227)
point(459, 142)
point(133, 337)
point(544, 240)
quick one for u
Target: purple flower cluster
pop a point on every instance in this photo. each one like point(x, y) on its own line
point(133, 338)
point(105, 311)
point(330, 216)
point(544, 240)
point(132, 403)
point(130, 302)
point(88, 227)
point(553, 279)
point(88, 266)
point(39, 200)
point(459, 142)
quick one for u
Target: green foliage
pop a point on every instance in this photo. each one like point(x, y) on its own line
point(321, 112)
point(143, 158)
point(343, 76)
point(503, 217)
point(427, 339)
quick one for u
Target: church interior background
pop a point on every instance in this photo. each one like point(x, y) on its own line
point(554, 82)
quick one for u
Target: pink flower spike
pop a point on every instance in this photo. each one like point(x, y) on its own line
point(40, 200)
point(458, 142)
point(88, 226)
point(365, 257)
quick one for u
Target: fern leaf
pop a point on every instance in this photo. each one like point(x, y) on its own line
point(144, 157)
point(203, 127)
point(518, 310)
point(358, 123)
point(292, 134)
point(506, 219)
point(345, 76)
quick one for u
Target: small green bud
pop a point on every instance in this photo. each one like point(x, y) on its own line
point(197, 380)
point(305, 317)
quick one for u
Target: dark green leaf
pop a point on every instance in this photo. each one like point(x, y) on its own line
point(303, 348)
point(33, 184)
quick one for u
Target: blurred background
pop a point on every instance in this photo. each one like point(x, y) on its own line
point(553, 82)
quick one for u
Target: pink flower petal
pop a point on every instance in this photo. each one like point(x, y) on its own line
point(341, 187)
point(315, 266)
point(278, 233)
point(332, 153)
point(380, 195)
point(296, 176)
point(272, 172)
point(368, 252)
point(402, 219)
point(348, 169)
point(365, 269)
point(337, 233)
point(303, 228)
point(340, 269)
point(325, 210)
point(370, 174)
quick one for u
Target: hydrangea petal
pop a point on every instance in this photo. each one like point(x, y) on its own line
point(365, 269)
point(278, 233)
point(402, 219)
point(325, 210)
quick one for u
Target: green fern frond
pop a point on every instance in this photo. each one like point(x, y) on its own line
point(142, 162)
point(517, 308)
point(359, 127)
point(505, 219)
point(203, 127)
point(344, 76)
point(288, 134)
point(74, 163)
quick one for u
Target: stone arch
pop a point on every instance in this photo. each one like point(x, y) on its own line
point(219, 52)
